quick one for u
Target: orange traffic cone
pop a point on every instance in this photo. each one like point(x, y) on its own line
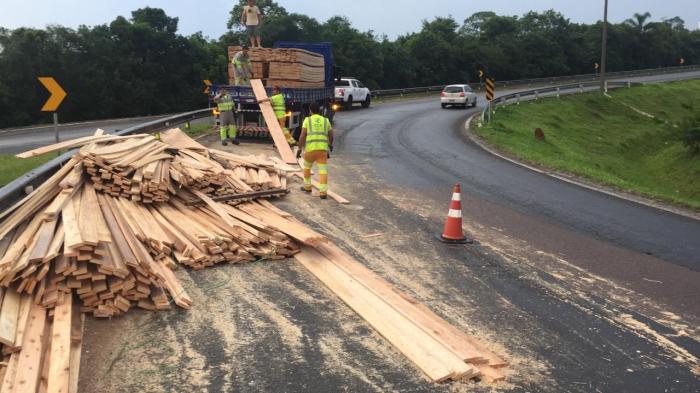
point(453, 226)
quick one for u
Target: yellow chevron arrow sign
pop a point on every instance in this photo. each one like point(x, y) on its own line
point(207, 83)
point(57, 94)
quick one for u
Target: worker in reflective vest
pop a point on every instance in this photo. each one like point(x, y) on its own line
point(242, 67)
point(227, 126)
point(280, 108)
point(317, 141)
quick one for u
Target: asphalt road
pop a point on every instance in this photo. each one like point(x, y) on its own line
point(417, 143)
point(419, 150)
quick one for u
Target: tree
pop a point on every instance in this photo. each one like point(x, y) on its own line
point(473, 25)
point(639, 22)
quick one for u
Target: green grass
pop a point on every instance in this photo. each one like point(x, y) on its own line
point(604, 140)
point(12, 167)
point(197, 129)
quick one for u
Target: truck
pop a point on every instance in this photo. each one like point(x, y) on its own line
point(349, 91)
point(250, 122)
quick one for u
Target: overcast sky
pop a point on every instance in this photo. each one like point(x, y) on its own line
point(391, 17)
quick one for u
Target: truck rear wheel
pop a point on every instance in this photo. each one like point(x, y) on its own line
point(348, 103)
point(367, 102)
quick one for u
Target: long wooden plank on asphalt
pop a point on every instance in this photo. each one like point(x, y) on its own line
point(272, 124)
point(436, 361)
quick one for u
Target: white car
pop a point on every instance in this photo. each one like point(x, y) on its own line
point(349, 91)
point(458, 95)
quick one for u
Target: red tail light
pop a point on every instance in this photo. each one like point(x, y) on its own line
point(442, 94)
point(462, 94)
point(341, 92)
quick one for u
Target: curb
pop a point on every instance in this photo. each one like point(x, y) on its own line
point(629, 197)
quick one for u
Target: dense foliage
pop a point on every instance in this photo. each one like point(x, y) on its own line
point(141, 65)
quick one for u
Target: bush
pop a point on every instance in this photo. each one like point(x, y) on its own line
point(690, 133)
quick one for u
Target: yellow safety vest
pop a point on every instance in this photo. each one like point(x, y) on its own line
point(278, 105)
point(317, 128)
point(225, 103)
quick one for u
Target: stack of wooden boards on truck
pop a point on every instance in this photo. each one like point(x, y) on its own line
point(83, 243)
point(289, 67)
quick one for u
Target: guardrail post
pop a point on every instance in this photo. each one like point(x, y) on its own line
point(517, 99)
point(537, 95)
point(629, 84)
point(580, 87)
point(558, 92)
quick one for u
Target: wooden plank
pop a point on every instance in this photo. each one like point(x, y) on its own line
point(59, 369)
point(436, 361)
point(216, 207)
point(73, 238)
point(77, 326)
point(8, 382)
point(25, 307)
point(336, 197)
point(9, 315)
point(431, 323)
point(86, 215)
point(74, 143)
point(272, 123)
point(44, 241)
point(29, 366)
point(55, 247)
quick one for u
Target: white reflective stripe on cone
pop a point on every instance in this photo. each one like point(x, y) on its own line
point(456, 197)
point(454, 213)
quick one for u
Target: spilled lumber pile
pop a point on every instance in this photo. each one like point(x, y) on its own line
point(288, 67)
point(114, 251)
point(83, 242)
point(74, 246)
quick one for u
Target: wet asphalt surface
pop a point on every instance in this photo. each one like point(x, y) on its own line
point(559, 282)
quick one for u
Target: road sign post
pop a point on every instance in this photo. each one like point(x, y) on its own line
point(55, 126)
point(55, 99)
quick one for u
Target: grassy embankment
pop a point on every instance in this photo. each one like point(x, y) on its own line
point(12, 167)
point(605, 140)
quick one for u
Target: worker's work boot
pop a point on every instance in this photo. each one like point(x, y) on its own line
point(223, 142)
point(303, 188)
point(236, 141)
point(324, 196)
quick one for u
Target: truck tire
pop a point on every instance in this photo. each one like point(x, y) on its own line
point(366, 103)
point(348, 103)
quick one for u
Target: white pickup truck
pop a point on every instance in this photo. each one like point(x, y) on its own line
point(349, 91)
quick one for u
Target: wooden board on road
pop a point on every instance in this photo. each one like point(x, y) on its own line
point(272, 124)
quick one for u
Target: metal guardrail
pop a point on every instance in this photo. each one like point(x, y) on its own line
point(542, 81)
point(17, 189)
point(572, 88)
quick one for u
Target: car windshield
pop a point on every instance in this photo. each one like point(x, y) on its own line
point(342, 83)
point(453, 89)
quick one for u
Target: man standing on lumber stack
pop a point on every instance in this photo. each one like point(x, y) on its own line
point(227, 128)
point(242, 67)
point(252, 18)
point(317, 141)
point(280, 108)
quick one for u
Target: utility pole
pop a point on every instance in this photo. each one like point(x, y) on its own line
point(604, 54)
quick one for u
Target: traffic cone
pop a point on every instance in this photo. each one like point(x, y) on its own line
point(453, 226)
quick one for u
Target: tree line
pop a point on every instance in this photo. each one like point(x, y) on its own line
point(143, 66)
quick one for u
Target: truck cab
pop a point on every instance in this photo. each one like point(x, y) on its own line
point(349, 91)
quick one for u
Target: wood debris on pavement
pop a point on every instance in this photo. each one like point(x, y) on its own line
point(103, 235)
